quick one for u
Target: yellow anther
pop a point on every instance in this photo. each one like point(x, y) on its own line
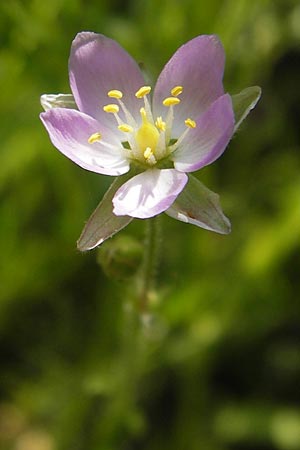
point(170, 101)
point(95, 137)
point(177, 90)
point(126, 128)
point(148, 153)
point(144, 90)
point(190, 123)
point(160, 124)
point(114, 93)
point(111, 108)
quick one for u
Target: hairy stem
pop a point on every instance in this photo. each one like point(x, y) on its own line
point(150, 262)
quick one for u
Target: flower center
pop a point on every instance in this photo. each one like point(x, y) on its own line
point(152, 140)
point(147, 135)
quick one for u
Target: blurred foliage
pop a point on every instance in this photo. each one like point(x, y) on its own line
point(217, 366)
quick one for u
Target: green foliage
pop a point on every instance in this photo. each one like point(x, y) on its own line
point(217, 366)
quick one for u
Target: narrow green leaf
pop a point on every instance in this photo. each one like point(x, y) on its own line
point(244, 102)
point(103, 223)
point(201, 207)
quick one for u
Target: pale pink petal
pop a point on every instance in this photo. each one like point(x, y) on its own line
point(97, 65)
point(198, 67)
point(205, 143)
point(69, 131)
point(149, 193)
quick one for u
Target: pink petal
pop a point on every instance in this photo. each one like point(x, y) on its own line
point(198, 67)
point(69, 131)
point(97, 65)
point(149, 193)
point(205, 143)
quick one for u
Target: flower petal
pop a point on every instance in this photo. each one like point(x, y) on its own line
point(149, 193)
point(244, 102)
point(103, 223)
point(205, 143)
point(199, 206)
point(198, 67)
point(69, 131)
point(97, 65)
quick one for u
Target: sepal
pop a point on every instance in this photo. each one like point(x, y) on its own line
point(103, 223)
point(49, 101)
point(201, 207)
point(244, 102)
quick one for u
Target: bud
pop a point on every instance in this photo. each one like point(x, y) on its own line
point(121, 257)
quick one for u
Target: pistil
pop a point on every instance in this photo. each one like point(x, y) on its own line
point(147, 135)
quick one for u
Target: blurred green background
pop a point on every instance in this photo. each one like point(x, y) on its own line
point(218, 368)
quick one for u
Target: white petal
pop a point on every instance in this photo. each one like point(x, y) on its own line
point(149, 193)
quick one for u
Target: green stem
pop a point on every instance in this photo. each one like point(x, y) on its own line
point(150, 263)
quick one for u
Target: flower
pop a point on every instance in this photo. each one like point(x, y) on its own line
point(110, 126)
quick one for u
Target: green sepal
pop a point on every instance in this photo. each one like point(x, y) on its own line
point(103, 223)
point(201, 207)
point(244, 102)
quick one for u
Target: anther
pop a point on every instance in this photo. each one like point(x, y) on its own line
point(126, 128)
point(148, 152)
point(177, 90)
point(144, 90)
point(95, 137)
point(114, 93)
point(111, 108)
point(190, 123)
point(170, 101)
point(149, 156)
point(160, 124)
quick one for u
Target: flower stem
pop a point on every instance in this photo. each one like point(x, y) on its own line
point(150, 262)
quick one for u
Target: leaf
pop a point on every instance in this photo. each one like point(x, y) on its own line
point(49, 101)
point(201, 207)
point(244, 102)
point(103, 223)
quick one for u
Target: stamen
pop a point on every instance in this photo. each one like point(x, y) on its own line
point(149, 156)
point(144, 90)
point(160, 124)
point(111, 108)
point(177, 90)
point(148, 152)
point(190, 123)
point(95, 137)
point(170, 101)
point(128, 116)
point(114, 93)
point(126, 128)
